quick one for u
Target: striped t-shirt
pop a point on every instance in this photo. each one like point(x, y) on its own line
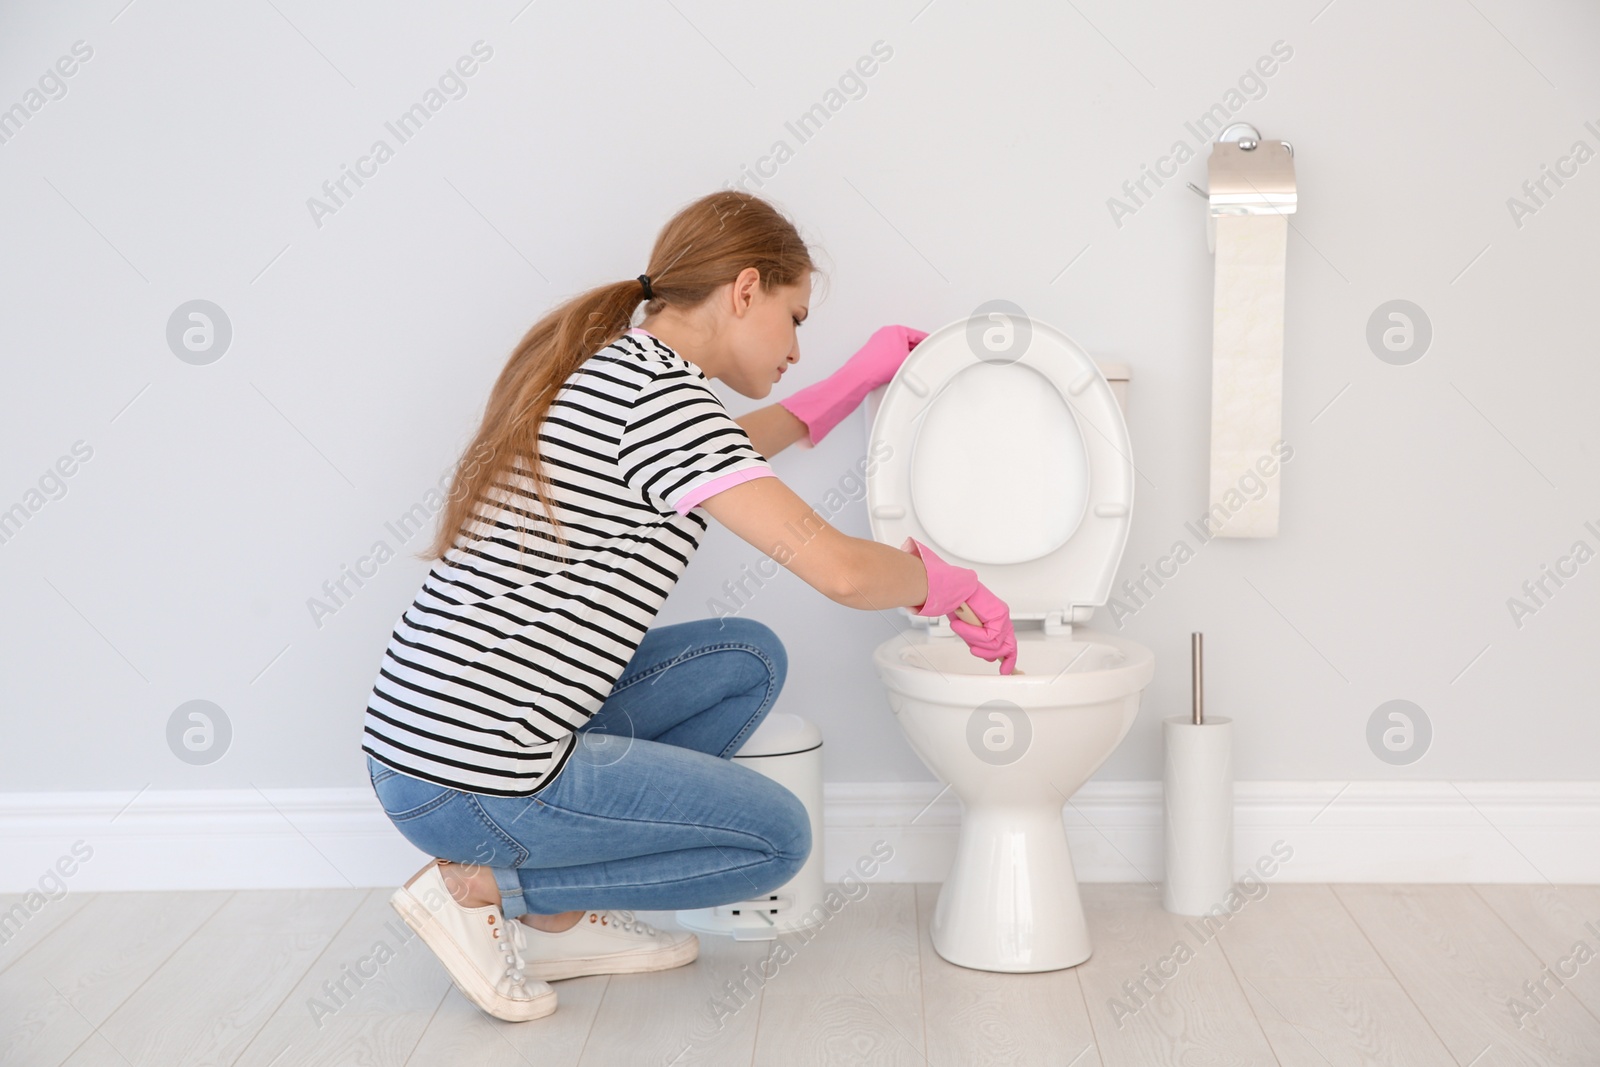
point(499, 659)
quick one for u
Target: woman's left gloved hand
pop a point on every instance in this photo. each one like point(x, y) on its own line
point(824, 405)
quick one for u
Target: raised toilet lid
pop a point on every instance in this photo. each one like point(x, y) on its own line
point(1015, 463)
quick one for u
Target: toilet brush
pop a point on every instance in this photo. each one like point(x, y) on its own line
point(1198, 803)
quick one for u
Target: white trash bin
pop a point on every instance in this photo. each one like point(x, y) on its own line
point(787, 749)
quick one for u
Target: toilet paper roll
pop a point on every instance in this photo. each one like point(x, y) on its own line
point(1198, 802)
point(1246, 372)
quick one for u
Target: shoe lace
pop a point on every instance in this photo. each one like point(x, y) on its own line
point(630, 922)
point(511, 944)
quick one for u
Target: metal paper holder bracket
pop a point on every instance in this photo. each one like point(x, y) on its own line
point(1246, 180)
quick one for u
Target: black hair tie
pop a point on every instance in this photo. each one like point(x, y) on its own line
point(644, 280)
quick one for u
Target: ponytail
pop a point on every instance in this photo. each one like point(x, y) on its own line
point(702, 248)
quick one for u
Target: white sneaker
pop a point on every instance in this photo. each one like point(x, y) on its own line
point(482, 952)
point(605, 942)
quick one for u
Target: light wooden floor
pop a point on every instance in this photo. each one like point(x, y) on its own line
point(1306, 975)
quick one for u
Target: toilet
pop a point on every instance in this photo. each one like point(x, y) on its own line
point(1003, 446)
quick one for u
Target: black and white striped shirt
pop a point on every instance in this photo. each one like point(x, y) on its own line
point(499, 658)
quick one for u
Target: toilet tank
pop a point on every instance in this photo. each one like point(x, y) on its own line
point(1118, 375)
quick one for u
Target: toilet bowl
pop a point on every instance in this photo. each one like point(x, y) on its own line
point(1004, 448)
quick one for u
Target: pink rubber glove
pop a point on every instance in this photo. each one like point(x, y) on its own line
point(948, 588)
point(824, 405)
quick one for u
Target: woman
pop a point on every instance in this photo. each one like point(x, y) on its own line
point(565, 761)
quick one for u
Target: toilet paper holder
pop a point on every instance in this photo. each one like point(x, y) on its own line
point(1248, 176)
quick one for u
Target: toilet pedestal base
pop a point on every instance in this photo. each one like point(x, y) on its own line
point(1010, 902)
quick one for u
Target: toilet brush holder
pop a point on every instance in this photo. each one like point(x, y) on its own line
point(1198, 801)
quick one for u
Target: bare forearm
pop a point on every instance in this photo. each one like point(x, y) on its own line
point(772, 429)
point(854, 571)
point(878, 576)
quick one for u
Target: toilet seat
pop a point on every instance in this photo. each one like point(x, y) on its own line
point(1017, 466)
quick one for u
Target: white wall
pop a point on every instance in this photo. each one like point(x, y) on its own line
point(178, 562)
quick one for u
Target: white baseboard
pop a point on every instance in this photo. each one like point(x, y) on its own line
point(333, 838)
point(1373, 831)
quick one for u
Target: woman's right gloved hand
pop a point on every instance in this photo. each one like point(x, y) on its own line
point(948, 588)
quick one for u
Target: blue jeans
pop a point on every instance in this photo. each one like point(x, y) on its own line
point(650, 812)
